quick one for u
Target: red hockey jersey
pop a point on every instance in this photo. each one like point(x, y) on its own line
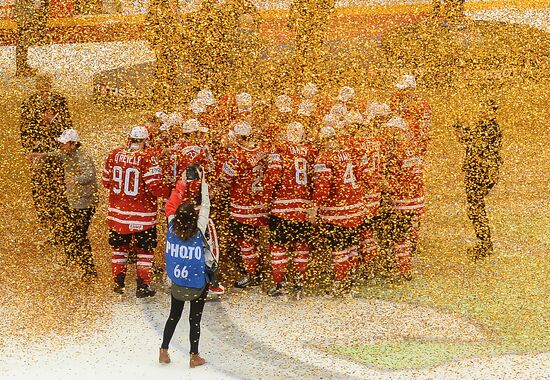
point(406, 176)
point(337, 191)
point(288, 182)
point(134, 181)
point(244, 170)
point(370, 173)
point(418, 115)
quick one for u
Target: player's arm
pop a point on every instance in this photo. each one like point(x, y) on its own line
point(272, 175)
point(229, 170)
point(107, 172)
point(152, 178)
point(322, 177)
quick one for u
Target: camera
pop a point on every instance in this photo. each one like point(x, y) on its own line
point(193, 172)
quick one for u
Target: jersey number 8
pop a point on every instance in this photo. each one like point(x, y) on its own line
point(300, 164)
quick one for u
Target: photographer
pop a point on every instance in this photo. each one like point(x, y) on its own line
point(482, 162)
point(189, 264)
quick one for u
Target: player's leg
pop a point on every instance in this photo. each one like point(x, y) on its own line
point(301, 252)
point(279, 255)
point(368, 247)
point(246, 239)
point(120, 244)
point(300, 260)
point(146, 242)
point(402, 246)
point(340, 243)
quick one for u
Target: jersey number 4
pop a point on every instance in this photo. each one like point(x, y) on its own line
point(126, 180)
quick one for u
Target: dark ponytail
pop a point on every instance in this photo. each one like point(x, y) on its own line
point(184, 224)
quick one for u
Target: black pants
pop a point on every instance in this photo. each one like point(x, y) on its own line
point(48, 194)
point(475, 195)
point(195, 315)
point(75, 238)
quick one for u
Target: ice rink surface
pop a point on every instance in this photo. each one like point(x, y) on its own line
point(127, 348)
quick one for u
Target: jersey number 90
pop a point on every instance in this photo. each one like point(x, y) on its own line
point(126, 180)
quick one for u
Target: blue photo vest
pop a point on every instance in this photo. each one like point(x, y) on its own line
point(185, 263)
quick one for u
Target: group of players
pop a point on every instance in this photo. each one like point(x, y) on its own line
point(308, 168)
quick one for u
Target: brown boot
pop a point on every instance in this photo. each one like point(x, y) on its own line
point(196, 361)
point(164, 358)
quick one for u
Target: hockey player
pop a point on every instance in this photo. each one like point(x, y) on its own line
point(339, 198)
point(243, 171)
point(405, 175)
point(288, 189)
point(134, 180)
point(368, 148)
point(191, 150)
point(417, 113)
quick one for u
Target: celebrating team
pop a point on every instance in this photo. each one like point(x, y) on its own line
point(310, 169)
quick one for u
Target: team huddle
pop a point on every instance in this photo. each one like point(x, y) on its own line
point(300, 167)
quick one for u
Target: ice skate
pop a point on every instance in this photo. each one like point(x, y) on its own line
point(144, 290)
point(277, 290)
point(119, 287)
point(196, 361)
point(245, 281)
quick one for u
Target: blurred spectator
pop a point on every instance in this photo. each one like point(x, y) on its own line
point(31, 17)
point(44, 116)
point(81, 187)
point(482, 161)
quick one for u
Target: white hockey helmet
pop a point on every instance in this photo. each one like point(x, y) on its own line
point(244, 102)
point(345, 94)
point(193, 125)
point(309, 90)
point(354, 118)
point(295, 132)
point(327, 131)
point(197, 106)
point(206, 97)
point(139, 132)
point(397, 122)
point(283, 103)
point(406, 81)
point(375, 109)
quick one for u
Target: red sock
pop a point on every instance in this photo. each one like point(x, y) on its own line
point(119, 260)
point(415, 232)
point(250, 255)
point(301, 258)
point(340, 263)
point(403, 256)
point(369, 246)
point(144, 264)
point(353, 257)
point(279, 262)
